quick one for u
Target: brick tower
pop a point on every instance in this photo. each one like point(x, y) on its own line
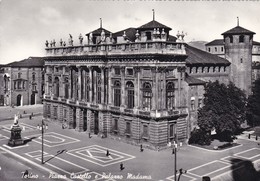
point(238, 50)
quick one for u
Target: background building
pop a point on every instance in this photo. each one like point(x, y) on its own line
point(23, 82)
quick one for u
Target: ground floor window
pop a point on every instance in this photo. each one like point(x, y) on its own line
point(115, 125)
point(145, 132)
point(128, 128)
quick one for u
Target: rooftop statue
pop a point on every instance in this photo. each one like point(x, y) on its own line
point(47, 43)
point(80, 39)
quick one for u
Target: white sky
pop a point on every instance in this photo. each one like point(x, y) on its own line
point(25, 25)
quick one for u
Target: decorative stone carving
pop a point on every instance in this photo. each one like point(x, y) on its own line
point(47, 43)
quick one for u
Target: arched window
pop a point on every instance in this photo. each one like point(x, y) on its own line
point(66, 83)
point(241, 38)
point(130, 95)
point(147, 96)
point(117, 93)
point(57, 87)
point(170, 98)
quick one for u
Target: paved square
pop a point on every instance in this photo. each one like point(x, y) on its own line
point(232, 159)
point(53, 139)
point(249, 154)
point(37, 153)
point(183, 177)
point(25, 127)
point(97, 154)
point(208, 168)
point(2, 137)
point(61, 164)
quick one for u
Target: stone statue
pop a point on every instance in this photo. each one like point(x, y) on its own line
point(64, 43)
point(70, 40)
point(61, 42)
point(15, 119)
point(53, 42)
point(47, 43)
point(91, 38)
point(80, 39)
point(103, 36)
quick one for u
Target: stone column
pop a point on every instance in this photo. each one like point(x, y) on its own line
point(79, 83)
point(90, 84)
point(154, 88)
point(102, 85)
point(83, 85)
point(123, 102)
point(94, 78)
point(137, 87)
point(79, 119)
point(70, 82)
point(110, 93)
point(89, 121)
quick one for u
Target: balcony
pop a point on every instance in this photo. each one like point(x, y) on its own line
point(152, 47)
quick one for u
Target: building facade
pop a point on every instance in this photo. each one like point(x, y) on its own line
point(23, 82)
point(140, 85)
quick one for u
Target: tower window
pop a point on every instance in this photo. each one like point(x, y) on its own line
point(222, 49)
point(241, 38)
point(209, 49)
point(231, 39)
point(148, 35)
point(241, 60)
point(216, 49)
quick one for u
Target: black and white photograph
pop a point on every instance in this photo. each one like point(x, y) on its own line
point(130, 90)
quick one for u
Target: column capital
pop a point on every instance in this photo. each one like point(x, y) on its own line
point(137, 69)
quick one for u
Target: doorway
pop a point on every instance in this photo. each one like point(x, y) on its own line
point(19, 100)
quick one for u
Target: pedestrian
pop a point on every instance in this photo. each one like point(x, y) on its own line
point(30, 117)
point(249, 136)
point(141, 148)
point(107, 153)
point(256, 137)
point(122, 166)
point(89, 135)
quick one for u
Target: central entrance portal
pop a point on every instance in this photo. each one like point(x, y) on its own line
point(96, 122)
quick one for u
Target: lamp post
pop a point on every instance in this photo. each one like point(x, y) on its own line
point(42, 128)
point(174, 151)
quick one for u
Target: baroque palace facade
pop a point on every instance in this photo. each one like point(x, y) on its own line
point(140, 85)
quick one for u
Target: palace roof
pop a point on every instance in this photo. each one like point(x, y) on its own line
point(215, 42)
point(130, 33)
point(197, 56)
point(237, 30)
point(193, 81)
point(30, 62)
point(98, 31)
point(154, 24)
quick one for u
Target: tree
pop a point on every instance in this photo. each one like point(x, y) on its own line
point(224, 110)
point(253, 105)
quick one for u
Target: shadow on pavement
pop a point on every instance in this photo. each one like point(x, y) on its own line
point(29, 140)
point(58, 153)
point(243, 170)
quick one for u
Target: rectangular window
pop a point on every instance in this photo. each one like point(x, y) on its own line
point(216, 49)
point(128, 128)
point(222, 49)
point(149, 35)
point(130, 71)
point(145, 131)
point(115, 126)
point(55, 112)
point(14, 84)
point(130, 103)
point(171, 130)
point(117, 71)
point(65, 113)
point(117, 98)
point(208, 49)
